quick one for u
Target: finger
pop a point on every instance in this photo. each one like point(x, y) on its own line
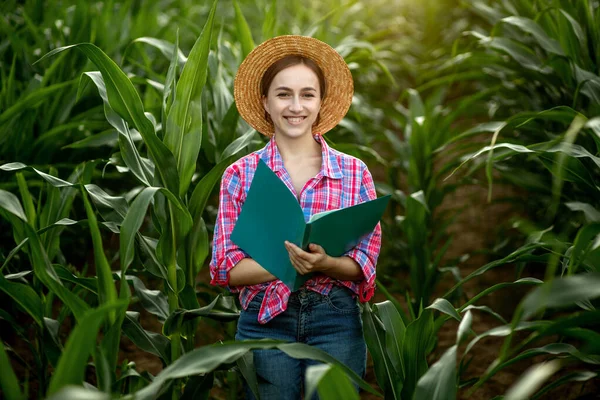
point(315, 248)
point(297, 263)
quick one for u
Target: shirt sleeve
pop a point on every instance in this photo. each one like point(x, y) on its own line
point(366, 252)
point(225, 254)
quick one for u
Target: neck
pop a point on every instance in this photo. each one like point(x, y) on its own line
point(294, 148)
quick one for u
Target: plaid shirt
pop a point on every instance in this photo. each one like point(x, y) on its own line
point(343, 181)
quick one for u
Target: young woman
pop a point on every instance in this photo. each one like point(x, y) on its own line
point(294, 89)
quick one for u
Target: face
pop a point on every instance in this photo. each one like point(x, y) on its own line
point(293, 101)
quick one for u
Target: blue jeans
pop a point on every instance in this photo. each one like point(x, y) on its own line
point(331, 323)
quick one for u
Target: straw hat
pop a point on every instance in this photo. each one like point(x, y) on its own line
point(340, 88)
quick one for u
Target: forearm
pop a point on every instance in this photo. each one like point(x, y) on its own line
point(342, 268)
point(248, 272)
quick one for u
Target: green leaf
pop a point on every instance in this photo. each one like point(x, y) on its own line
point(205, 359)
point(33, 100)
point(244, 35)
point(197, 248)
point(238, 144)
point(464, 328)
point(561, 292)
point(70, 392)
point(129, 151)
point(153, 301)
point(222, 308)
point(375, 338)
point(184, 122)
point(521, 254)
point(418, 341)
point(8, 380)
point(106, 138)
point(531, 380)
point(531, 27)
point(25, 297)
point(152, 342)
point(582, 376)
point(169, 50)
point(135, 216)
point(445, 307)
point(47, 275)
point(395, 329)
point(246, 367)
point(126, 102)
point(81, 342)
point(590, 212)
point(107, 292)
point(330, 381)
point(11, 203)
point(439, 382)
point(582, 244)
point(170, 87)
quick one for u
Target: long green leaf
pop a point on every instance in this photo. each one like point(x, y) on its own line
point(25, 297)
point(561, 292)
point(45, 272)
point(387, 378)
point(418, 340)
point(81, 342)
point(531, 380)
point(439, 382)
point(222, 308)
point(8, 380)
point(244, 35)
point(135, 216)
point(184, 122)
point(107, 292)
point(125, 100)
point(11, 203)
point(205, 359)
point(395, 330)
point(129, 151)
point(151, 342)
point(331, 383)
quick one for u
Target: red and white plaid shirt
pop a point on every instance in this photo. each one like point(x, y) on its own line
point(343, 181)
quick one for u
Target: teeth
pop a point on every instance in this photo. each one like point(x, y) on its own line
point(295, 119)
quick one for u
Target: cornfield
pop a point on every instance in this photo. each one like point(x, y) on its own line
point(481, 118)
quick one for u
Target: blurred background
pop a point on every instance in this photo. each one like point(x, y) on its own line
point(480, 118)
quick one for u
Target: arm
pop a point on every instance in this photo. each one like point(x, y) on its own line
point(248, 272)
point(226, 255)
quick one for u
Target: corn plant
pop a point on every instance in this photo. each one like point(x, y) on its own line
point(543, 55)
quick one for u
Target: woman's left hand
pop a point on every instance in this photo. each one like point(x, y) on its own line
point(305, 262)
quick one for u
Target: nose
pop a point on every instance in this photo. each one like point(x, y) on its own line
point(295, 105)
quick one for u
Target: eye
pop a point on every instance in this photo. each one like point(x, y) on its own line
point(309, 95)
point(283, 94)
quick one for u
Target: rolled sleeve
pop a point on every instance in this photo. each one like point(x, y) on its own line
point(366, 252)
point(225, 253)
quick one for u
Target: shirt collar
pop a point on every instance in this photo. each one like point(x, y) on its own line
point(329, 165)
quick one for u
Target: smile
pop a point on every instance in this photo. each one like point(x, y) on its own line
point(295, 120)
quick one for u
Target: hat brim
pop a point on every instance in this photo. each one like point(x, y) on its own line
point(340, 87)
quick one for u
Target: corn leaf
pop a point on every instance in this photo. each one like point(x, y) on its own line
point(184, 122)
point(81, 342)
point(8, 380)
point(330, 382)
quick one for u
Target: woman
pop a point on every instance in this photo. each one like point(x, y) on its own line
point(295, 89)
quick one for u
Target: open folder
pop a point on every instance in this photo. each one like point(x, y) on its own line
point(271, 215)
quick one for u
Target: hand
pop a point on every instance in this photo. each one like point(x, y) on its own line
point(305, 262)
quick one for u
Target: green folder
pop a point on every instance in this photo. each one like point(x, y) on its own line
point(271, 215)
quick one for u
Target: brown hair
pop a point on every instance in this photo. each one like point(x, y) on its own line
point(289, 61)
